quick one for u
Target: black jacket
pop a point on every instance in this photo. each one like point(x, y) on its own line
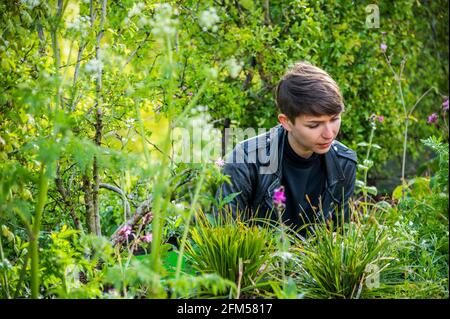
point(255, 167)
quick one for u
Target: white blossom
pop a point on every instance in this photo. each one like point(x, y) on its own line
point(212, 73)
point(208, 20)
point(31, 4)
point(79, 25)
point(162, 23)
point(93, 65)
point(234, 67)
point(136, 9)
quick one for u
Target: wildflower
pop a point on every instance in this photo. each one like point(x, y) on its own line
point(380, 118)
point(383, 47)
point(125, 231)
point(190, 94)
point(234, 67)
point(208, 20)
point(147, 238)
point(163, 24)
point(432, 118)
point(279, 197)
point(220, 162)
point(445, 105)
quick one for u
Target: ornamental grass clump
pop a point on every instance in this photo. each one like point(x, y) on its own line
point(230, 248)
point(340, 260)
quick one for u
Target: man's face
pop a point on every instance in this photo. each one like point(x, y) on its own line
point(311, 134)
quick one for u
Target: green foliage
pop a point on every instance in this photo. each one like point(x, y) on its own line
point(342, 260)
point(231, 249)
point(87, 101)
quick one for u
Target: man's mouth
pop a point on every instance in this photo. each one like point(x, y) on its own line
point(325, 145)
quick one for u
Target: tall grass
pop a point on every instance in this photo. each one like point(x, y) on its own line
point(339, 260)
point(230, 248)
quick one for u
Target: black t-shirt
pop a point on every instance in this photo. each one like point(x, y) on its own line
point(302, 177)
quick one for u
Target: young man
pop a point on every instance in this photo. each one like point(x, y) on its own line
point(301, 154)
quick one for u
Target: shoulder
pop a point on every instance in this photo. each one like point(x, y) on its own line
point(262, 141)
point(344, 152)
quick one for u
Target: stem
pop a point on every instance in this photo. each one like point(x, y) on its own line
point(34, 240)
point(5, 277)
point(404, 158)
point(188, 221)
point(283, 243)
point(366, 171)
point(183, 114)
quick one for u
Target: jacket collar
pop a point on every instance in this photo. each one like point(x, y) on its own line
point(334, 170)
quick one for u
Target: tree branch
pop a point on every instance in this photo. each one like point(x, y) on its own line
point(121, 193)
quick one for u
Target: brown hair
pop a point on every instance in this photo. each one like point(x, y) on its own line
point(307, 89)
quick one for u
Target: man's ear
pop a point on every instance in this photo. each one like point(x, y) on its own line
point(285, 122)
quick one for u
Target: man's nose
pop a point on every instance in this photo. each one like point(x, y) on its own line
point(327, 132)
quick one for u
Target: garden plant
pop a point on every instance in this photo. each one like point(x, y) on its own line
point(113, 134)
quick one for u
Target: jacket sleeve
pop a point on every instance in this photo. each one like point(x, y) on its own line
point(349, 188)
point(242, 181)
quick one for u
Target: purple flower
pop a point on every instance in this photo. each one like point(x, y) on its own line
point(445, 105)
point(380, 118)
point(220, 162)
point(147, 238)
point(125, 231)
point(279, 197)
point(190, 94)
point(432, 118)
point(383, 47)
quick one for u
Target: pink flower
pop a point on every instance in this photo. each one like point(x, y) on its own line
point(125, 231)
point(219, 162)
point(190, 94)
point(445, 105)
point(380, 118)
point(147, 238)
point(383, 47)
point(432, 118)
point(279, 197)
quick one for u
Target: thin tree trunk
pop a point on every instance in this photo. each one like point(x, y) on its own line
point(66, 198)
point(98, 120)
point(88, 204)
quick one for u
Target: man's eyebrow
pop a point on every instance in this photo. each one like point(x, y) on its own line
point(316, 121)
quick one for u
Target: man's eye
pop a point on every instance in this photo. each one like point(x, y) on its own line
point(313, 126)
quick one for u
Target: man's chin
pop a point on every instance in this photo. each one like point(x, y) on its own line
point(322, 150)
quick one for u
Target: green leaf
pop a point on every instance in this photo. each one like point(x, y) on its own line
point(227, 199)
point(360, 184)
point(376, 146)
point(397, 193)
point(362, 144)
point(372, 190)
